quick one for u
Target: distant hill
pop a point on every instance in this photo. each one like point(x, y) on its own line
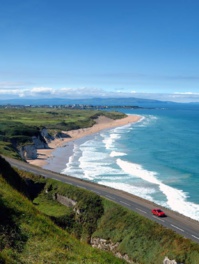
point(90, 101)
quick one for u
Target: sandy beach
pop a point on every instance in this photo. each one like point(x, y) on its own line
point(101, 123)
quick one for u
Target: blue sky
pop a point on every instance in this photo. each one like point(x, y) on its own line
point(91, 48)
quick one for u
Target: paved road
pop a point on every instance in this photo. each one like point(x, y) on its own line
point(183, 225)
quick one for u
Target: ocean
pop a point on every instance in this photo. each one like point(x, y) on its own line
point(156, 158)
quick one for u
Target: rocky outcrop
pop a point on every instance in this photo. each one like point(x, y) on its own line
point(65, 200)
point(62, 135)
point(39, 142)
point(108, 245)
point(28, 152)
point(168, 261)
point(46, 135)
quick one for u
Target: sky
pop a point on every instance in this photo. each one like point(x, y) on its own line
point(99, 48)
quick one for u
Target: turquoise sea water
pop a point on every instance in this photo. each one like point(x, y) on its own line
point(156, 158)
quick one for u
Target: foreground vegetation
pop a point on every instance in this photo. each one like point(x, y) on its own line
point(36, 228)
point(29, 236)
point(17, 126)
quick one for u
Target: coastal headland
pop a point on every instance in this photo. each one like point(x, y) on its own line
point(102, 123)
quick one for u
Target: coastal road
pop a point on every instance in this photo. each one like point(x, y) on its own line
point(181, 224)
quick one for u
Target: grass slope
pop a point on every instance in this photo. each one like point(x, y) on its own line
point(144, 241)
point(29, 236)
point(38, 232)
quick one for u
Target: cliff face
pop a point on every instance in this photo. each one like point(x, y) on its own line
point(38, 142)
point(28, 152)
point(46, 135)
point(62, 135)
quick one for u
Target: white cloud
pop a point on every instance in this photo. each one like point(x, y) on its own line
point(81, 92)
point(11, 93)
point(47, 92)
point(91, 92)
point(185, 93)
point(41, 91)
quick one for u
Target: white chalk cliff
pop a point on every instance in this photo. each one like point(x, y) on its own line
point(29, 151)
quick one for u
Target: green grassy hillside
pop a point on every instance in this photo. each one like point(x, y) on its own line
point(42, 230)
point(144, 241)
point(29, 236)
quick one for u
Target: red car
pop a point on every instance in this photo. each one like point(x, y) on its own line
point(158, 212)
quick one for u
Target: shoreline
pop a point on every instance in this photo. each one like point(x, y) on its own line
point(56, 146)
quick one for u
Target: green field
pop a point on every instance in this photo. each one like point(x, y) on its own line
point(17, 126)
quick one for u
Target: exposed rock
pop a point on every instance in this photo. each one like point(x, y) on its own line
point(39, 144)
point(168, 261)
point(108, 245)
point(62, 135)
point(46, 135)
point(40, 141)
point(28, 152)
point(65, 200)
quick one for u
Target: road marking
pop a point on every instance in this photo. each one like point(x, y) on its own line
point(141, 211)
point(110, 197)
point(125, 203)
point(178, 228)
point(158, 218)
point(195, 237)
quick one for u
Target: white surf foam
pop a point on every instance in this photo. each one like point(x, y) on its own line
point(93, 170)
point(146, 120)
point(117, 154)
point(93, 156)
point(176, 199)
point(122, 129)
point(138, 191)
point(110, 139)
